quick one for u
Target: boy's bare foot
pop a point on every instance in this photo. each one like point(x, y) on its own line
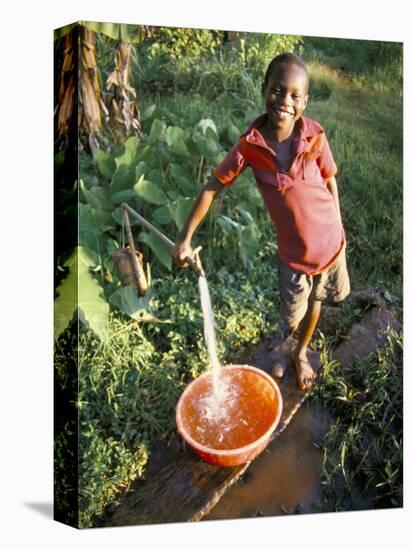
point(280, 366)
point(304, 371)
point(283, 357)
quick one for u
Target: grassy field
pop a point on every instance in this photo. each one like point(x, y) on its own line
point(129, 384)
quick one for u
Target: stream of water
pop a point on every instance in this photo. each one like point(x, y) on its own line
point(213, 404)
point(209, 330)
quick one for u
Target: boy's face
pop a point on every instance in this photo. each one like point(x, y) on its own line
point(286, 95)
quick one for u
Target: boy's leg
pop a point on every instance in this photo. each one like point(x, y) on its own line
point(301, 298)
point(294, 292)
point(304, 370)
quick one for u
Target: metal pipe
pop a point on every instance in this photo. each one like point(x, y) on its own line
point(148, 225)
point(194, 263)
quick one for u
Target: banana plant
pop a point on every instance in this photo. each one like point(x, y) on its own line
point(120, 110)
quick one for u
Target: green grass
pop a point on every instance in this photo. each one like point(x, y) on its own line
point(129, 385)
point(362, 451)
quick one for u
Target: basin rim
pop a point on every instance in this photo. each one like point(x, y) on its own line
point(238, 450)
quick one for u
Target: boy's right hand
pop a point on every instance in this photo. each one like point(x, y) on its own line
point(180, 252)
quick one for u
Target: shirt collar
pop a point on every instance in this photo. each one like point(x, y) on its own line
point(303, 142)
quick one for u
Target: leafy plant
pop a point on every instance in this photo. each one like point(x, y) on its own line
point(156, 178)
point(81, 296)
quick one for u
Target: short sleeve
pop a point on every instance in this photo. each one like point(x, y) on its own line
point(231, 167)
point(325, 161)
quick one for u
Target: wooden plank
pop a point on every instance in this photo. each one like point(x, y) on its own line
point(179, 486)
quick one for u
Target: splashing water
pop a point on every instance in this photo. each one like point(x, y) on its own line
point(219, 390)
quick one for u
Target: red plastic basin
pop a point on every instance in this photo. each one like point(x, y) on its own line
point(240, 428)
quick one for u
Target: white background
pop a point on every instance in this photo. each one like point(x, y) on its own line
point(26, 70)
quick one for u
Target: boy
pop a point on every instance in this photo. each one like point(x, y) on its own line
point(294, 170)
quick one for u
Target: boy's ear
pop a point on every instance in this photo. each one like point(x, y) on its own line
point(305, 101)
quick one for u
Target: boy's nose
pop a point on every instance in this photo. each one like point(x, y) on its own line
point(286, 99)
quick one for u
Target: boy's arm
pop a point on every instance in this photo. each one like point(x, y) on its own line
point(182, 248)
point(332, 187)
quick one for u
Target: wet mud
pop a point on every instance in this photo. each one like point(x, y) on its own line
point(285, 478)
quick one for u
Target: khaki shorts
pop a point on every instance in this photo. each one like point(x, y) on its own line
point(297, 289)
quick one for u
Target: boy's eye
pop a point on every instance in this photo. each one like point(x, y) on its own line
point(296, 96)
point(275, 91)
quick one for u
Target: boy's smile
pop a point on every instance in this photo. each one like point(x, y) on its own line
point(286, 96)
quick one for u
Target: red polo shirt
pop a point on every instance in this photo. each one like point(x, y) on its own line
point(309, 233)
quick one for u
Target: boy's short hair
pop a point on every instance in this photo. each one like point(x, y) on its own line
point(286, 59)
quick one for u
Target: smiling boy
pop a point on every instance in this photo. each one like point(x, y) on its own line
point(295, 172)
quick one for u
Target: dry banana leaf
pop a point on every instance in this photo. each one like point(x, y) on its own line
point(90, 119)
point(123, 109)
point(65, 106)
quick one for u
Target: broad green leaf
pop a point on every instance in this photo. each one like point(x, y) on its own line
point(227, 224)
point(233, 132)
point(177, 170)
point(182, 179)
point(206, 146)
point(82, 293)
point(147, 112)
point(185, 186)
point(162, 215)
point(106, 165)
point(123, 178)
point(245, 214)
point(155, 176)
point(93, 307)
point(157, 130)
point(161, 250)
point(140, 170)
point(173, 194)
point(150, 192)
point(249, 244)
point(65, 304)
point(129, 155)
point(126, 299)
point(173, 134)
point(93, 221)
point(180, 210)
point(86, 256)
point(111, 246)
point(92, 241)
point(122, 196)
point(96, 197)
point(205, 124)
point(180, 148)
point(175, 138)
point(146, 153)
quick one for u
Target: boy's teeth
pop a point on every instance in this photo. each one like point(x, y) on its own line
point(283, 113)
